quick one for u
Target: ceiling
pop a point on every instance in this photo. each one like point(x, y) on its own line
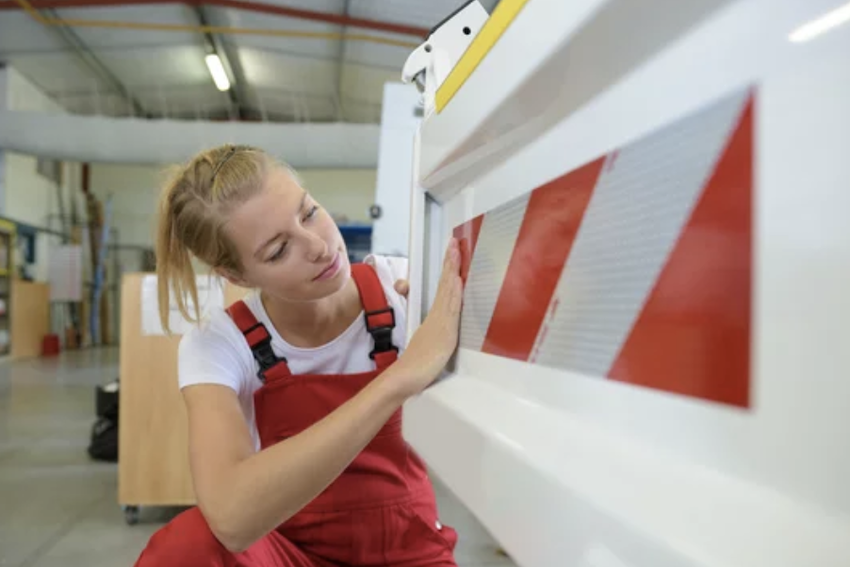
point(287, 60)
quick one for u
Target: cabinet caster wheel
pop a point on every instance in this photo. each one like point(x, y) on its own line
point(131, 515)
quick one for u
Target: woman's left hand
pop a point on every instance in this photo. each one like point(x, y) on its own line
point(402, 287)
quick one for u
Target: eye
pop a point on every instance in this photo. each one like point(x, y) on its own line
point(278, 253)
point(312, 212)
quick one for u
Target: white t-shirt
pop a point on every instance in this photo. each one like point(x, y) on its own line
point(216, 352)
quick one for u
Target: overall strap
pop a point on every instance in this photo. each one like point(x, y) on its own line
point(260, 341)
point(380, 318)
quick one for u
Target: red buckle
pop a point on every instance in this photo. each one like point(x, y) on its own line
point(382, 333)
point(384, 359)
point(261, 348)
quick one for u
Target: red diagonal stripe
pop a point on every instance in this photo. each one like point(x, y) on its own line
point(548, 230)
point(693, 334)
point(467, 234)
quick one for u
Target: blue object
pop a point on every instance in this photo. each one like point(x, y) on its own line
point(26, 236)
point(358, 240)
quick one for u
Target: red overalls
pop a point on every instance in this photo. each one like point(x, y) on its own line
point(380, 511)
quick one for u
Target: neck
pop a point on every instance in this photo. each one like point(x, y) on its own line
point(314, 323)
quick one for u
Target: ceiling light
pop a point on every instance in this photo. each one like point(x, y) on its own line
point(821, 25)
point(217, 71)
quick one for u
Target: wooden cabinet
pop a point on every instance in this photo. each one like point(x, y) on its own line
point(153, 464)
point(153, 460)
point(29, 320)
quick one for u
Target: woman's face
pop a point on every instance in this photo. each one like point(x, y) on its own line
point(290, 247)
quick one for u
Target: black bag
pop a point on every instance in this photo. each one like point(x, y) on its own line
point(104, 440)
point(104, 434)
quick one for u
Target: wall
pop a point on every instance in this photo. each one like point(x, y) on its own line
point(23, 95)
point(28, 196)
point(134, 190)
point(348, 192)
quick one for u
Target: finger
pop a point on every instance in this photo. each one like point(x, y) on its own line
point(450, 269)
point(456, 300)
point(444, 273)
point(402, 287)
point(452, 255)
point(451, 265)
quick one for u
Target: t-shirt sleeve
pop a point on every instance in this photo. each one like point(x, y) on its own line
point(208, 354)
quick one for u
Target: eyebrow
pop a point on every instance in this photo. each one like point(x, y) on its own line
point(271, 240)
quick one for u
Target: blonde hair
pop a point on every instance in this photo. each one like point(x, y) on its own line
point(192, 212)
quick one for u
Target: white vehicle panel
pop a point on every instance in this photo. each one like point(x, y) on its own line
point(566, 442)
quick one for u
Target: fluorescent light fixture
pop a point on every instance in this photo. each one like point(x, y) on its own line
point(821, 25)
point(217, 71)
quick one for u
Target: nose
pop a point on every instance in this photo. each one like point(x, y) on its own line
point(317, 248)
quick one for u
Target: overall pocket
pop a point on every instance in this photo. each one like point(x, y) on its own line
point(413, 535)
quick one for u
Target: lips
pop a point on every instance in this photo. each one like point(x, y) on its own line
point(330, 270)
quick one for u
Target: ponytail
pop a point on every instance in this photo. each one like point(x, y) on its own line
point(174, 270)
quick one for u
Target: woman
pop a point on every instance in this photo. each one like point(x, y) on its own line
point(294, 395)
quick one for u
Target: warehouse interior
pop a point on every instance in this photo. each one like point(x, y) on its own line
point(285, 63)
point(610, 237)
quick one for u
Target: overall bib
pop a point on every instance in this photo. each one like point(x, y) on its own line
point(381, 511)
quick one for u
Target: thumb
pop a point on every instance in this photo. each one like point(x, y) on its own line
point(402, 287)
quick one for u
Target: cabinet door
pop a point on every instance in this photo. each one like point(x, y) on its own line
point(153, 466)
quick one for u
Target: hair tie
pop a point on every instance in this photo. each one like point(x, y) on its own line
point(223, 161)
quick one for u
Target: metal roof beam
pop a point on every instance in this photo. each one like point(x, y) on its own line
point(337, 96)
point(100, 70)
point(247, 5)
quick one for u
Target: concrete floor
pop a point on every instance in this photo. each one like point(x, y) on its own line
point(58, 507)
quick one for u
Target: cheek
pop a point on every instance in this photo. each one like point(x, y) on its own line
point(267, 274)
point(329, 230)
point(278, 279)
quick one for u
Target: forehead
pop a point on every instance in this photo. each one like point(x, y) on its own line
point(282, 182)
point(270, 212)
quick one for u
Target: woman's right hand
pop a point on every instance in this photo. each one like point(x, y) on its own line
point(436, 339)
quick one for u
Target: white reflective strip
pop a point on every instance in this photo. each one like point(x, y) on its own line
point(496, 241)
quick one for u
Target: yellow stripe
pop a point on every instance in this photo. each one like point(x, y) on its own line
point(493, 29)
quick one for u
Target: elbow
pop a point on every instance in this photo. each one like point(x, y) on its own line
point(236, 546)
point(227, 528)
point(233, 524)
point(230, 536)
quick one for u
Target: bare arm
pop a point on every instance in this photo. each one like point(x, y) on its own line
point(244, 495)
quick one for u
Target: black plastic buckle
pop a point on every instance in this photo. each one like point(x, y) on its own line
point(382, 335)
point(264, 354)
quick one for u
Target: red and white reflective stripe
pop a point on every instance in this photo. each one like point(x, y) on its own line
point(549, 227)
point(487, 270)
point(635, 267)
